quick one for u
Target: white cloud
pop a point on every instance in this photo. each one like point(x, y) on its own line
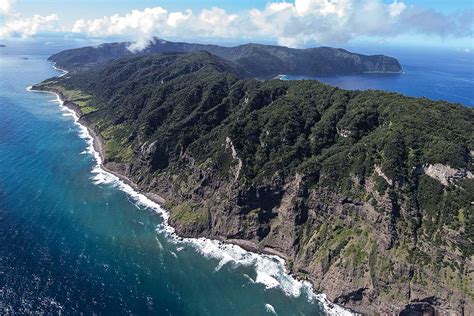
point(26, 27)
point(6, 6)
point(177, 18)
point(144, 25)
point(13, 24)
point(323, 21)
point(289, 23)
point(292, 23)
point(215, 22)
point(323, 7)
point(396, 8)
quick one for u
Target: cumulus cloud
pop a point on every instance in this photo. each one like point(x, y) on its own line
point(339, 21)
point(292, 23)
point(6, 6)
point(145, 24)
point(289, 23)
point(396, 8)
point(26, 27)
point(142, 24)
point(323, 7)
point(431, 22)
point(12, 24)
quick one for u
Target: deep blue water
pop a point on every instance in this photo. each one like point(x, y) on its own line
point(72, 240)
point(438, 75)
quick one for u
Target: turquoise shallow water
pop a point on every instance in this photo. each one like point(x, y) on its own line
point(72, 240)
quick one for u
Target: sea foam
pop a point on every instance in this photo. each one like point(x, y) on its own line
point(270, 269)
point(270, 309)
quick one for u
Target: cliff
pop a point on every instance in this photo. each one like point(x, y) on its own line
point(366, 194)
point(249, 60)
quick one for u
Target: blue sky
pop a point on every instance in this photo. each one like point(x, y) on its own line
point(297, 23)
point(75, 8)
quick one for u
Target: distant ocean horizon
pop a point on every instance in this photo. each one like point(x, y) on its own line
point(441, 76)
point(433, 73)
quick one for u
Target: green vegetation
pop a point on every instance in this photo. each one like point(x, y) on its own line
point(249, 60)
point(278, 128)
point(184, 214)
point(381, 185)
point(78, 97)
point(117, 147)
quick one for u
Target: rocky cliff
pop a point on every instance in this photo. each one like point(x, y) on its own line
point(369, 195)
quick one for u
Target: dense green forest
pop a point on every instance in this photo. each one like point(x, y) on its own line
point(341, 176)
point(249, 60)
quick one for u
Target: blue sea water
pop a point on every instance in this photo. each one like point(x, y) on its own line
point(75, 240)
point(437, 75)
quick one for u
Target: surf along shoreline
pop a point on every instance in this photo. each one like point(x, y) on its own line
point(97, 150)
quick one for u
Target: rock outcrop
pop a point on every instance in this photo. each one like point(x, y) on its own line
point(445, 174)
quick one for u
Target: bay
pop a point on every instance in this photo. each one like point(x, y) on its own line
point(437, 75)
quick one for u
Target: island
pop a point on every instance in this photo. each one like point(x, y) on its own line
point(249, 60)
point(366, 194)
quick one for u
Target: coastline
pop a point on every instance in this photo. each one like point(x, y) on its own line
point(98, 146)
point(156, 202)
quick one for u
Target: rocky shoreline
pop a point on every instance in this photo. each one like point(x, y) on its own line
point(99, 144)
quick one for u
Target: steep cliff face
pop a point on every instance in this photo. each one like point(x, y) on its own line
point(366, 194)
point(366, 255)
point(249, 60)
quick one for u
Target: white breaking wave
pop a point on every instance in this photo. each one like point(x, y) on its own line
point(270, 309)
point(271, 270)
point(158, 242)
point(64, 72)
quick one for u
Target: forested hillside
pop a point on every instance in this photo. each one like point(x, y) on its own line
point(367, 194)
point(249, 60)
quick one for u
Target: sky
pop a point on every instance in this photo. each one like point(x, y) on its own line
point(293, 23)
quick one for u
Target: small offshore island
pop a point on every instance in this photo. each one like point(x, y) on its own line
point(366, 194)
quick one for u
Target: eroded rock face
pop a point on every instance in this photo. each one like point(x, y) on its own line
point(370, 254)
point(445, 174)
point(356, 251)
point(379, 172)
point(238, 167)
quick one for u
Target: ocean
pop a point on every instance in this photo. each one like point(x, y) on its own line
point(75, 239)
point(437, 75)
